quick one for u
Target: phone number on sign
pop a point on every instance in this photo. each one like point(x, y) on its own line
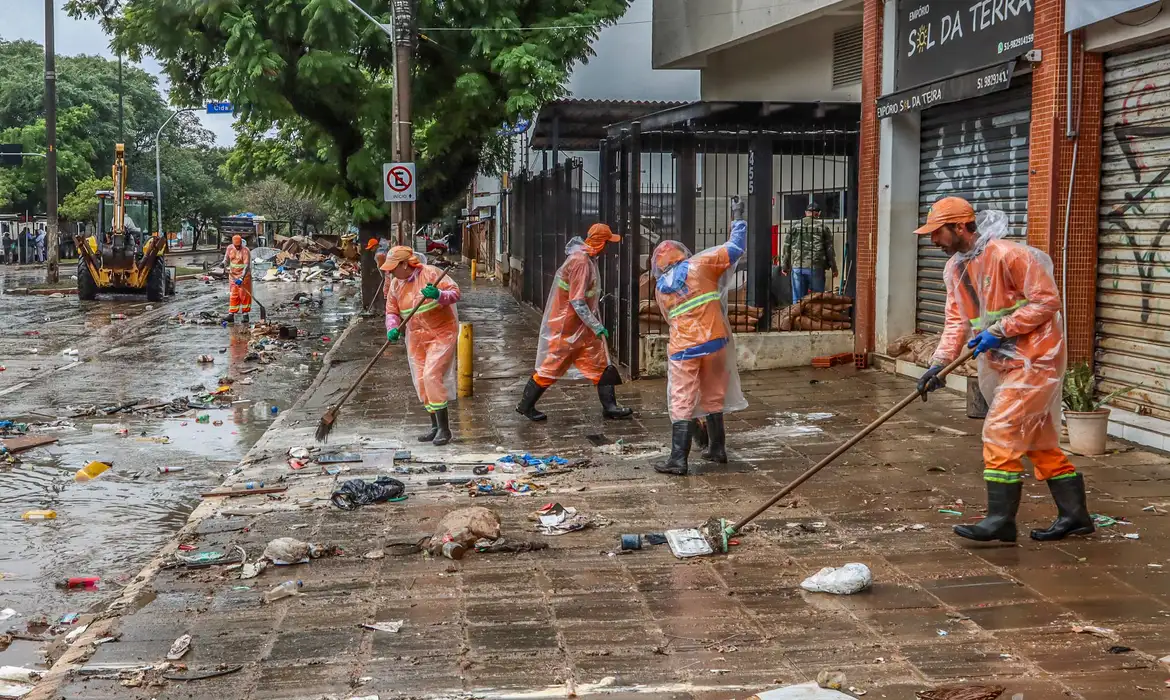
point(992, 79)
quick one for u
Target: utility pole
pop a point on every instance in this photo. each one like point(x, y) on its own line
point(404, 16)
point(51, 238)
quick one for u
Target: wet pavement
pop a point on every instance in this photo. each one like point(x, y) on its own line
point(580, 618)
point(111, 526)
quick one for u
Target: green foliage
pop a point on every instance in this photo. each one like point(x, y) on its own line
point(1079, 391)
point(81, 205)
point(280, 201)
point(312, 80)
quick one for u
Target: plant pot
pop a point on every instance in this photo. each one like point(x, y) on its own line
point(1087, 431)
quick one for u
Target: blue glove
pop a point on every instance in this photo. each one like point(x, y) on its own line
point(430, 291)
point(929, 381)
point(393, 335)
point(984, 341)
point(240, 282)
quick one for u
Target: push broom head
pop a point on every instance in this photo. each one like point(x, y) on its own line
point(717, 531)
point(325, 425)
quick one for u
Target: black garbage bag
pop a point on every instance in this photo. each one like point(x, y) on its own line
point(356, 492)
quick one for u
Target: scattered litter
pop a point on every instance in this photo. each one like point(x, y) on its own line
point(39, 515)
point(181, 646)
point(857, 691)
point(253, 569)
point(338, 458)
point(834, 680)
point(285, 551)
point(1120, 650)
point(16, 682)
point(804, 691)
point(374, 554)
point(1107, 521)
point(384, 626)
point(72, 636)
point(284, 590)
point(949, 511)
point(555, 519)
point(7, 613)
point(167, 470)
point(1153, 509)
point(465, 526)
point(1132, 536)
point(942, 633)
point(69, 352)
point(205, 359)
point(201, 675)
point(1105, 632)
point(918, 526)
point(356, 492)
point(69, 619)
point(687, 542)
point(91, 470)
point(845, 580)
point(962, 692)
point(299, 453)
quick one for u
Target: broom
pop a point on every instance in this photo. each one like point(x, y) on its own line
point(325, 425)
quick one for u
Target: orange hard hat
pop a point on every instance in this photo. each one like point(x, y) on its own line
point(399, 254)
point(237, 240)
point(948, 210)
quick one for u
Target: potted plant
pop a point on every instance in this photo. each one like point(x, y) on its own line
point(1087, 421)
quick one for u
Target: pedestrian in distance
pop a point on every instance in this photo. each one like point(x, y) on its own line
point(572, 338)
point(807, 253)
point(432, 332)
point(237, 260)
point(701, 375)
point(1003, 302)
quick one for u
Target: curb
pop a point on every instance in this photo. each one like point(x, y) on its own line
point(25, 291)
point(104, 623)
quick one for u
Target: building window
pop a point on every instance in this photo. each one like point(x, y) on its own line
point(847, 57)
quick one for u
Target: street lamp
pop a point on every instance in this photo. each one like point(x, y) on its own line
point(158, 165)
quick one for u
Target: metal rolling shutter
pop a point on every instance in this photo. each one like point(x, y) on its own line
point(1133, 272)
point(976, 149)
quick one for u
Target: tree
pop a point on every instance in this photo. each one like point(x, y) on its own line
point(81, 205)
point(312, 81)
point(25, 186)
point(278, 200)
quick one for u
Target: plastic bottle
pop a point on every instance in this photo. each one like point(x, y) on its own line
point(284, 590)
point(40, 515)
point(80, 582)
point(167, 470)
point(454, 550)
point(91, 470)
point(117, 317)
point(253, 485)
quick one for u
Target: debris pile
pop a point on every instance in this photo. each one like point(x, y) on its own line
point(918, 348)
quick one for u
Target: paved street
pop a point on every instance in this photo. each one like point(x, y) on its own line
point(579, 618)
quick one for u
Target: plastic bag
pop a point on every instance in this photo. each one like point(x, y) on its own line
point(804, 691)
point(284, 551)
point(845, 580)
point(356, 492)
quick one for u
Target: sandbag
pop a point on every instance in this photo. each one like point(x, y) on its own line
point(825, 313)
point(465, 526)
point(827, 297)
point(804, 323)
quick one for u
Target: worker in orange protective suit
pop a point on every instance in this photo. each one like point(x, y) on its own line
point(237, 260)
point(701, 376)
point(432, 336)
point(572, 337)
point(1002, 301)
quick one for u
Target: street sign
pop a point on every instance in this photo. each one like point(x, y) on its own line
point(398, 183)
point(516, 129)
point(220, 108)
point(10, 154)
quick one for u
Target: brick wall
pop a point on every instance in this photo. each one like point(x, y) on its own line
point(867, 186)
point(1051, 162)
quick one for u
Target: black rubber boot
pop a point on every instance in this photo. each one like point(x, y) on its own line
point(680, 449)
point(1072, 512)
point(699, 433)
point(527, 406)
point(443, 436)
point(430, 434)
point(244, 318)
point(717, 449)
point(230, 319)
point(609, 404)
point(1003, 500)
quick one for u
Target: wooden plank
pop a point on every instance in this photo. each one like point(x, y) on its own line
point(28, 442)
point(244, 492)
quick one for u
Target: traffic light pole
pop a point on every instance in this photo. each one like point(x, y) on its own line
point(404, 16)
point(52, 243)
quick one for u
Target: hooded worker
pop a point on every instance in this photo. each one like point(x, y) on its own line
point(433, 333)
point(701, 375)
point(572, 337)
point(1002, 301)
point(237, 261)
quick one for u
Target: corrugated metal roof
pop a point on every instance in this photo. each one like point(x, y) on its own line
point(580, 124)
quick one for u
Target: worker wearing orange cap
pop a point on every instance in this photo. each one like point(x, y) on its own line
point(1002, 301)
point(701, 376)
point(237, 261)
point(572, 337)
point(433, 334)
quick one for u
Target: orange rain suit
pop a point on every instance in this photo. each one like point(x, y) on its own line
point(237, 260)
point(1010, 285)
point(432, 336)
point(701, 374)
point(569, 333)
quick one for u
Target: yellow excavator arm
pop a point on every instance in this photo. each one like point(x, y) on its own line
point(118, 225)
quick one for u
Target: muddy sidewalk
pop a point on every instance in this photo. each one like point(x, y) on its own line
point(578, 616)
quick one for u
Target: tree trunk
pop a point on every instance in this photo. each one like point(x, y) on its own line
point(371, 275)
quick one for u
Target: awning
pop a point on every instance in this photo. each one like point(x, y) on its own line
point(1082, 13)
point(957, 87)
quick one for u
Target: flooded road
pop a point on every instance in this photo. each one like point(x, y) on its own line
point(110, 526)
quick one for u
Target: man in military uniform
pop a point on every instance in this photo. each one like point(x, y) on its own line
point(808, 252)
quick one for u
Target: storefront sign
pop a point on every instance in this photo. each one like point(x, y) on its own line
point(960, 87)
point(944, 38)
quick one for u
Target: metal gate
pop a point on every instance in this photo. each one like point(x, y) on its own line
point(976, 149)
point(1133, 277)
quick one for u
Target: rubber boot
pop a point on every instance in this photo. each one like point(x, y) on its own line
point(443, 436)
point(1072, 512)
point(609, 404)
point(527, 405)
point(717, 449)
point(244, 318)
point(430, 434)
point(680, 449)
point(699, 433)
point(1003, 500)
point(230, 319)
